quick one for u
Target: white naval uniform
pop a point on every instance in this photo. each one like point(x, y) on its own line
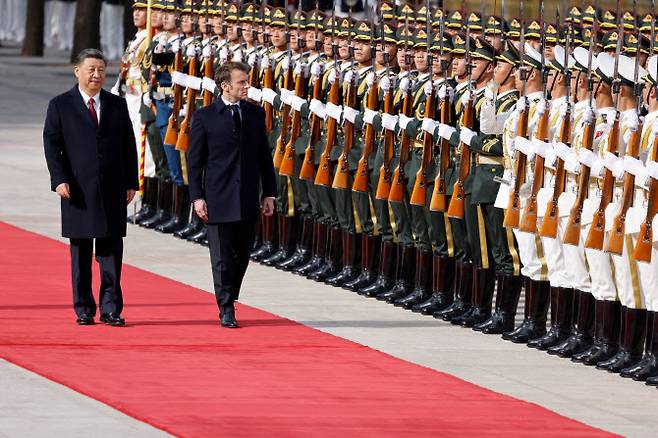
point(112, 30)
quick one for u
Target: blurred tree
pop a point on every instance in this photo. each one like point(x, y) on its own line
point(87, 26)
point(34, 21)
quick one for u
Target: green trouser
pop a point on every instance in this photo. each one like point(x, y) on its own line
point(476, 238)
point(382, 211)
point(402, 215)
point(420, 221)
point(501, 241)
point(155, 142)
point(345, 207)
point(326, 198)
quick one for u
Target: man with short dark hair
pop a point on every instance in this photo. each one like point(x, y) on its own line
point(90, 151)
point(229, 167)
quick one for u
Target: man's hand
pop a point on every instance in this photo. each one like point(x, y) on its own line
point(130, 195)
point(268, 206)
point(63, 190)
point(201, 209)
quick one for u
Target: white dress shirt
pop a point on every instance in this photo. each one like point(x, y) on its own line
point(97, 102)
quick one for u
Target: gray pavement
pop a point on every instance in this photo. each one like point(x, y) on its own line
point(596, 398)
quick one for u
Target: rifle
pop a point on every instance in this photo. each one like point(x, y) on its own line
point(513, 211)
point(281, 142)
point(268, 76)
point(615, 243)
point(643, 246)
point(438, 201)
point(528, 223)
point(572, 230)
point(308, 165)
point(341, 178)
point(549, 223)
point(419, 192)
point(209, 64)
point(396, 193)
point(183, 140)
point(456, 206)
point(171, 136)
point(385, 174)
point(596, 231)
point(362, 176)
point(324, 170)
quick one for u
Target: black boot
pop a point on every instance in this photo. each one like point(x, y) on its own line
point(483, 290)
point(303, 252)
point(320, 234)
point(350, 256)
point(200, 236)
point(443, 273)
point(164, 205)
point(149, 201)
point(607, 326)
point(384, 280)
point(332, 263)
point(652, 381)
point(648, 366)
point(582, 331)
point(534, 326)
point(178, 211)
point(561, 319)
point(268, 244)
point(369, 264)
point(633, 332)
point(463, 297)
point(285, 242)
point(193, 224)
point(508, 291)
point(404, 275)
point(422, 285)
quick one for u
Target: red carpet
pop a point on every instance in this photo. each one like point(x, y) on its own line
point(174, 368)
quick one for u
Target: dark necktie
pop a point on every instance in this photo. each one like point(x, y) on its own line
point(92, 112)
point(235, 111)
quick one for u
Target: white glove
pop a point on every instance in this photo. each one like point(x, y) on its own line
point(286, 96)
point(301, 68)
point(385, 84)
point(223, 55)
point(389, 121)
point(178, 78)
point(466, 135)
point(193, 82)
point(429, 126)
point(404, 121)
point(348, 77)
point(428, 88)
point(369, 115)
point(541, 107)
point(255, 94)
point(350, 114)
point(404, 85)
point(183, 111)
point(159, 48)
point(316, 69)
point(632, 121)
point(563, 110)
point(264, 62)
point(334, 111)
point(269, 95)
point(588, 115)
point(445, 91)
point(191, 51)
point(209, 84)
point(370, 79)
point(318, 108)
point(332, 76)
point(551, 157)
point(175, 46)
point(207, 51)
point(116, 90)
point(285, 63)
point(446, 131)
point(489, 94)
point(146, 99)
point(297, 102)
point(466, 97)
point(252, 59)
point(520, 105)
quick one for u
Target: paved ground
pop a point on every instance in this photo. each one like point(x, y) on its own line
point(591, 396)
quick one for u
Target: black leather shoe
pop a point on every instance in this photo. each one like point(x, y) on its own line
point(85, 320)
point(113, 319)
point(227, 319)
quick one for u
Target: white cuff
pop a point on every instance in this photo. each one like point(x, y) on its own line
point(318, 108)
point(429, 126)
point(652, 168)
point(286, 96)
point(446, 131)
point(540, 147)
point(369, 116)
point(269, 95)
point(193, 82)
point(178, 78)
point(404, 121)
point(255, 94)
point(209, 84)
point(389, 121)
point(466, 135)
point(297, 102)
point(614, 164)
point(350, 114)
point(334, 111)
point(523, 145)
point(587, 157)
point(633, 165)
point(563, 151)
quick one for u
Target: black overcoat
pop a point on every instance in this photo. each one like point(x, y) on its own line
point(99, 164)
point(230, 171)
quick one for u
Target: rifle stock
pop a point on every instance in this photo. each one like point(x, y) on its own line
point(280, 147)
point(362, 176)
point(209, 70)
point(183, 140)
point(341, 178)
point(528, 222)
point(396, 193)
point(307, 171)
point(171, 136)
point(439, 198)
point(385, 174)
point(268, 82)
point(323, 176)
point(419, 192)
point(513, 212)
point(456, 206)
point(287, 165)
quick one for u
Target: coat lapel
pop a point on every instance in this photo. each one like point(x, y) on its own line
point(80, 106)
point(106, 109)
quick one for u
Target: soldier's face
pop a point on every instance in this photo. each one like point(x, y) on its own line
point(327, 45)
point(169, 21)
point(436, 63)
point(420, 59)
point(548, 52)
point(502, 72)
point(156, 18)
point(402, 55)
point(310, 38)
point(278, 36)
point(343, 48)
point(91, 75)
point(236, 88)
point(362, 52)
point(391, 49)
point(482, 69)
point(186, 23)
point(139, 18)
point(247, 32)
point(494, 40)
point(217, 24)
point(459, 66)
point(232, 31)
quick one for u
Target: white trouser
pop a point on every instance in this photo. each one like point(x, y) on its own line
point(17, 13)
point(627, 276)
point(600, 268)
point(63, 23)
point(648, 273)
point(112, 30)
point(4, 19)
point(531, 253)
point(567, 266)
point(134, 102)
